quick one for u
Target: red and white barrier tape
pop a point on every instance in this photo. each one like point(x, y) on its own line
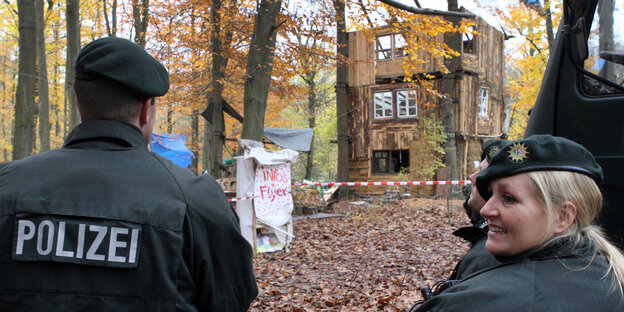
point(384, 183)
point(452, 182)
point(239, 199)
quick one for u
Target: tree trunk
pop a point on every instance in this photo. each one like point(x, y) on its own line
point(24, 127)
point(140, 11)
point(195, 140)
point(44, 104)
point(170, 120)
point(342, 51)
point(605, 11)
point(259, 67)
point(73, 47)
point(111, 27)
point(453, 40)
point(311, 122)
point(216, 129)
point(549, 25)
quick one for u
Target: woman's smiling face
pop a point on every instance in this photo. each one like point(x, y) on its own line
point(516, 218)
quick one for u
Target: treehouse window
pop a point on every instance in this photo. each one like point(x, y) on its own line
point(399, 45)
point(384, 47)
point(404, 101)
point(383, 104)
point(390, 46)
point(390, 161)
point(483, 102)
point(468, 42)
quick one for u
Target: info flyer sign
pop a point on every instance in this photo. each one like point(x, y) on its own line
point(272, 198)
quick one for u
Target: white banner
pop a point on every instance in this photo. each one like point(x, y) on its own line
point(272, 198)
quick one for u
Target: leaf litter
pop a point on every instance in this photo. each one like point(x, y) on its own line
point(372, 259)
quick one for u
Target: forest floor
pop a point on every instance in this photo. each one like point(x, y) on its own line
point(374, 258)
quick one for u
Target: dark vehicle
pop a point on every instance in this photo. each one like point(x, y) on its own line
point(582, 96)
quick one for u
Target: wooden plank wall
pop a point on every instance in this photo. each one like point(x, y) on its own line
point(362, 54)
point(368, 135)
point(491, 57)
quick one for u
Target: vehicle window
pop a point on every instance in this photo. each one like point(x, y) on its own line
point(606, 49)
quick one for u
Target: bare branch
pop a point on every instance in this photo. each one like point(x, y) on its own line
point(402, 6)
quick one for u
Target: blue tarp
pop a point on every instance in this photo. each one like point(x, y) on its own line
point(171, 146)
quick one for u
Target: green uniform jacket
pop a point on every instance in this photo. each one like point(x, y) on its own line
point(103, 224)
point(555, 278)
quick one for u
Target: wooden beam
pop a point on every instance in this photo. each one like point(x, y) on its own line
point(409, 8)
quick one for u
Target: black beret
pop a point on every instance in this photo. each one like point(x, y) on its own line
point(491, 147)
point(538, 153)
point(125, 62)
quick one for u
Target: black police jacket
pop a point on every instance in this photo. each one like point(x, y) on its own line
point(477, 258)
point(558, 277)
point(103, 224)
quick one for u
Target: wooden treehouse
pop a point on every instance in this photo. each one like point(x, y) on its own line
point(384, 112)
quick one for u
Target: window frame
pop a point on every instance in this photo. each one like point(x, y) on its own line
point(379, 48)
point(382, 108)
point(470, 40)
point(375, 161)
point(394, 52)
point(388, 161)
point(483, 109)
point(408, 106)
point(394, 100)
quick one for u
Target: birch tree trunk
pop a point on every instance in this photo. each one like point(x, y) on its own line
point(24, 126)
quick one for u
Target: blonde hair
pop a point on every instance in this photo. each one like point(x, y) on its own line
point(556, 187)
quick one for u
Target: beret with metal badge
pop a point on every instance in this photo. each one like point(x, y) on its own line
point(491, 147)
point(124, 62)
point(538, 153)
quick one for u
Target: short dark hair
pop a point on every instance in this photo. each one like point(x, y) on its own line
point(107, 99)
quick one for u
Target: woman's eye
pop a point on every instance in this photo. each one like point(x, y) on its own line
point(508, 198)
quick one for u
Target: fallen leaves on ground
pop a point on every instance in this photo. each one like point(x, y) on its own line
point(372, 259)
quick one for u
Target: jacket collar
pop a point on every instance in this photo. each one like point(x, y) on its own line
point(560, 247)
point(94, 130)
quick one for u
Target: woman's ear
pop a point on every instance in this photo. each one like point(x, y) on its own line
point(566, 214)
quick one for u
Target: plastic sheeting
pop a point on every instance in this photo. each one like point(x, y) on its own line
point(172, 147)
point(295, 139)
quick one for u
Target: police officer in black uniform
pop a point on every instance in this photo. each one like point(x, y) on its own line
point(477, 258)
point(103, 224)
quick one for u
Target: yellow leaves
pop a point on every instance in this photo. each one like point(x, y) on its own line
point(527, 62)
